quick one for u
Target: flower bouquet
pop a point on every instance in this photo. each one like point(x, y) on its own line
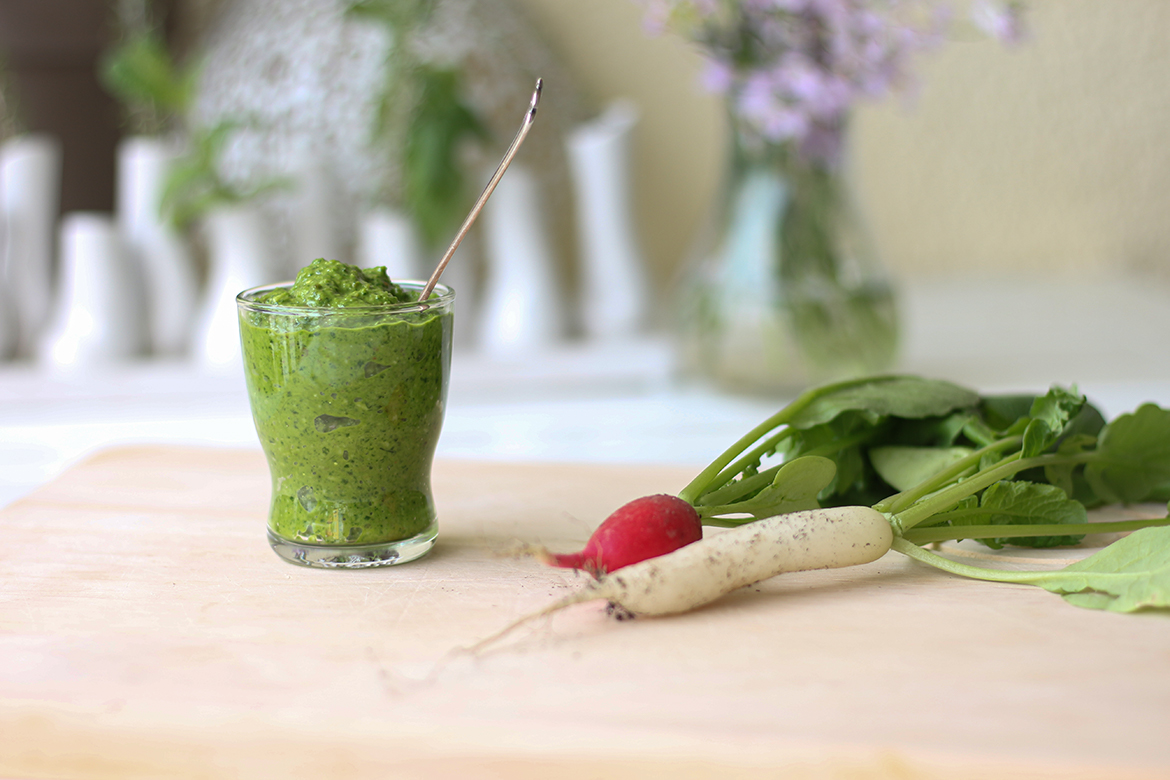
point(788, 289)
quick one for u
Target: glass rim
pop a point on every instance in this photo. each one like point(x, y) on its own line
point(440, 297)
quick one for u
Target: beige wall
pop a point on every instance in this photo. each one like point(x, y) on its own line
point(1053, 157)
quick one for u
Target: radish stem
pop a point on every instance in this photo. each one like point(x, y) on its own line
point(736, 490)
point(949, 496)
point(956, 532)
point(905, 499)
point(752, 457)
point(965, 570)
point(707, 478)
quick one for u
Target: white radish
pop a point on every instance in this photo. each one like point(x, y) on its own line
point(701, 572)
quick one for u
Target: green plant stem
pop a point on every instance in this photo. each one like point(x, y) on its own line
point(907, 498)
point(701, 483)
point(753, 456)
point(706, 479)
point(907, 547)
point(726, 522)
point(737, 490)
point(749, 507)
point(708, 513)
point(949, 533)
point(949, 496)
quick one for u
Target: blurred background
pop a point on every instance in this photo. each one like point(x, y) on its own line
point(1014, 195)
point(1048, 156)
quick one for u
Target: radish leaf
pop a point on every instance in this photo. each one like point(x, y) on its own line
point(905, 467)
point(1132, 573)
point(1129, 575)
point(794, 489)
point(798, 482)
point(1049, 415)
point(1025, 503)
point(1132, 458)
point(1070, 476)
point(895, 396)
point(1001, 412)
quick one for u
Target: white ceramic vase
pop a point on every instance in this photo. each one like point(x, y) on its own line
point(388, 237)
point(163, 258)
point(614, 299)
point(240, 257)
point(7, 312)
point(7, 325)
point(98, 315)
point(30, 196)
point(522, 309)
point(314, 233)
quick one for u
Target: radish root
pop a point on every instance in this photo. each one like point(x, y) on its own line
point(580, 597)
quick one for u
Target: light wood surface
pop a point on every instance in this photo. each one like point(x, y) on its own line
point(146, 630)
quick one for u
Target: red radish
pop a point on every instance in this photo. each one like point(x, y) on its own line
point(644, 528)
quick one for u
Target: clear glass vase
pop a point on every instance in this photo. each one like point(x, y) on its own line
point(786, 289)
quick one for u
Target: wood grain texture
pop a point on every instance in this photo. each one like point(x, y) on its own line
point(146, 630)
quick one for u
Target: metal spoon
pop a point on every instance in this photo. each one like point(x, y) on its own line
point(529, 115)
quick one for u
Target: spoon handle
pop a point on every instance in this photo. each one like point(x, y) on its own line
point(529, 116)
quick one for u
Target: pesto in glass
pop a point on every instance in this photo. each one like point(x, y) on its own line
point(347, 377)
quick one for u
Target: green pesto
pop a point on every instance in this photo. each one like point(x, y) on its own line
point(333, 284)
point(348, 406)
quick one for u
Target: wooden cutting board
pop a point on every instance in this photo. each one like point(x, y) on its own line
point(146, 630)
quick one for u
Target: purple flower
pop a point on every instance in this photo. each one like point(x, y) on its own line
point(1001, 20)
point(718, 76)
point(656, 16)
point(793, 69)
